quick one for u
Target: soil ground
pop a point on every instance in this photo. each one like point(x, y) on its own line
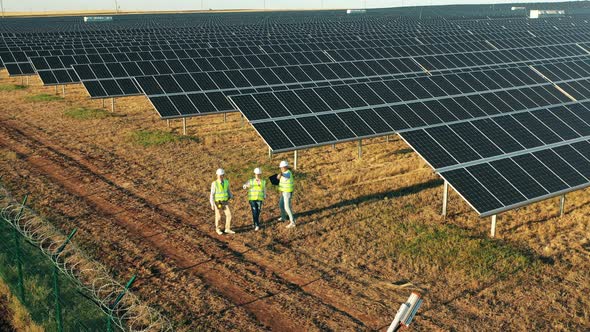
point(369, 230)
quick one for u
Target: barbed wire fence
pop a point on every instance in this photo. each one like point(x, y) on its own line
point(123, 309)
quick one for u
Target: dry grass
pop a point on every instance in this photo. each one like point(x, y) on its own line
point(368, 230)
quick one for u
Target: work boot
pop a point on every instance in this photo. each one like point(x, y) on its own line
point(229, 231)
point(256, 228)
point(291, 225)
point(219, 231)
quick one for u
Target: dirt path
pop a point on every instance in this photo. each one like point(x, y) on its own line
point(241, 274)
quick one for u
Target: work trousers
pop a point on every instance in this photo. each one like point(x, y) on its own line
point(227, 212)
point(256, 207)
point(285, 206)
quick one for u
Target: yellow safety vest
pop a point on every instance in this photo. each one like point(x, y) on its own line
point(256, 191)
point(221, 191)
point(286, 185)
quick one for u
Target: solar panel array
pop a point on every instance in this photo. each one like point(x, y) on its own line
point(498, 105)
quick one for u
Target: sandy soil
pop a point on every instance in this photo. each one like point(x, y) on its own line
point(145, 210)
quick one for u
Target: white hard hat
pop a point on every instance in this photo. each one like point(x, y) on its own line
point(220, 171)
point(257, 171)
point(284, 163)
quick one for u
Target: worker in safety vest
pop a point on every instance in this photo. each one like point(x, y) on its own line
point(219, 199)
point(286, 185)
point(256, 195)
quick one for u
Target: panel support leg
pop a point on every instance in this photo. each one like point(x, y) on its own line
point(103, 104)
point(56, 91)
point(295, 160)
point(184, 126)
point(269, 153)
point(493, 230)
point(27, 80)
point(224, 117)
point(63, 90)
point(242, 119)
point(334, 146)
point(562, 205)
point(445, 199)
point(113, 105)
point(360, 149)
point(387, 139)
point(167, 123)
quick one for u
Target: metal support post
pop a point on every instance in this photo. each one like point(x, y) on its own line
point(27, 80)
point(58, 318)
point(295, 160)
point(269, 153)
point(334, 146)
point(113, 104)
point(561, 205)
point(360, 148)
point(494, 218)
point(103, 106)
point(184, 126)
point(224, 117)
point(445, 199)
point(387, 139)
point(19, 266)
point(116, 302)
point(242, 119)
point(56, 91)
point(168, 123)
point(63, 90)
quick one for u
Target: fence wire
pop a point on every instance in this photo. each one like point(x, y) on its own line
point(92, 279)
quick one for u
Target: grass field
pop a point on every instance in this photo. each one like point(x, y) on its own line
point(369, 231)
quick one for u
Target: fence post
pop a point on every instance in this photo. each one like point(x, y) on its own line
point(116, 302)
point(58, 318)
point(19, 264)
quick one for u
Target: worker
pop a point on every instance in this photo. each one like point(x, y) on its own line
point(219, 199)
point(256, 195)
point(286, 185)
